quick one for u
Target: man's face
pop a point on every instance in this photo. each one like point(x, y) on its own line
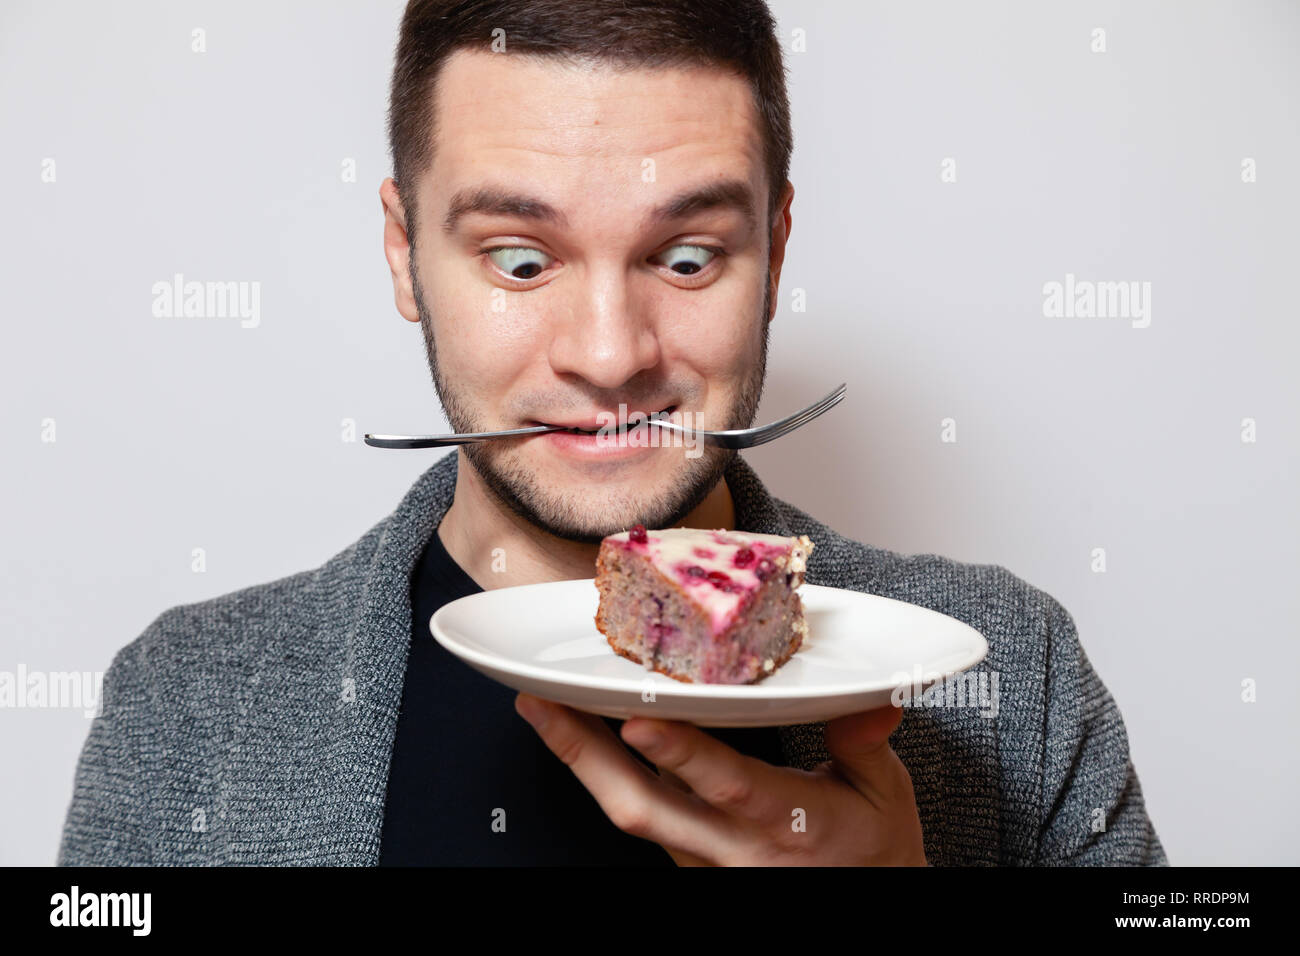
point(588, 237)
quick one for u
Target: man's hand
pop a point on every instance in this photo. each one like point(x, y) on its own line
point(710, 805)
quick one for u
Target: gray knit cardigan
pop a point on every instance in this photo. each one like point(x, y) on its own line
point(257, 727)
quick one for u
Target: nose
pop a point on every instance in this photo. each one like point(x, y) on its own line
point(604, 338)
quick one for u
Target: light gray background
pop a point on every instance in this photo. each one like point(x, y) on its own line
point(925, 296)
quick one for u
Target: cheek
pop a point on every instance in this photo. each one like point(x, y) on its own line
point(719, 336)
point(483, 340)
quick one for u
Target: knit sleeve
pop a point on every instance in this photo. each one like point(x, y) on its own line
point(1093, 812)
point(109, 822)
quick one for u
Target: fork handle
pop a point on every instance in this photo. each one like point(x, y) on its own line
point(465, 438)
point(381, 441)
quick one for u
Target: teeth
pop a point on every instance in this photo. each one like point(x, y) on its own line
point(596, 431)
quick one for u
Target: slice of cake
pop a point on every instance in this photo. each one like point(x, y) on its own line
point(713, 607)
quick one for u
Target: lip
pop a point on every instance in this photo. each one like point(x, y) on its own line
point(594, 421)
point(593, 446)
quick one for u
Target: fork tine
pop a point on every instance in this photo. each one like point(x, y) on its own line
point(746, 438)
point(808, 414)
point(778, 429)
point(814, 409)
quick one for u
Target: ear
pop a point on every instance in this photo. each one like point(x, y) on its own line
point(780, 235)
point(397, 250)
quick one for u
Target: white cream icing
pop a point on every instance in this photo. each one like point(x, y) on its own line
point(714, 550)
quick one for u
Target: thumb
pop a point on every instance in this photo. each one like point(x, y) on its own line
point(860, 751)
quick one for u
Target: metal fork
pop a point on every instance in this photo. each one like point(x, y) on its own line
point(734, 438)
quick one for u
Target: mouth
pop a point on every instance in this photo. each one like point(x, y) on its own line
point(592, 424)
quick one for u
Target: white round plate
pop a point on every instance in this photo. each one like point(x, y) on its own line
point(542, 639)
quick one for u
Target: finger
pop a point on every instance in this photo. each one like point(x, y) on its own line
point(634, 799)
point(860, 751)
point(674, 781)
point(681, 857)
point(725, 779)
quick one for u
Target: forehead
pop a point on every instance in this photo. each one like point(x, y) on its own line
point(591, 131)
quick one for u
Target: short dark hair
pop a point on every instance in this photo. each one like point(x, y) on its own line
point(734, 34)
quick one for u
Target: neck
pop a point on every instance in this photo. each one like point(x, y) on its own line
point(498, 548)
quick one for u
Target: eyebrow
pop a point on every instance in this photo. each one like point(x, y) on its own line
point(732, 194)
point(493, 201)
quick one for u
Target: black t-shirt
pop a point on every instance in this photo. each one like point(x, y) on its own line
point(462, 754)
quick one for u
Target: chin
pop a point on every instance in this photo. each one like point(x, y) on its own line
point(586, 514)
point(585, 502)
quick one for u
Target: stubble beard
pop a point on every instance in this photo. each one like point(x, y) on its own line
point(569, 515)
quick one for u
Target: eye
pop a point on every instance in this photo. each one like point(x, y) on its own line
point(519, 262)
point(685, 260)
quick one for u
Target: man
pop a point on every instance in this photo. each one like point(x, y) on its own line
point(590, 208)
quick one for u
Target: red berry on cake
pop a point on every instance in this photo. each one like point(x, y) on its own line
point(718, 579)
point(703, 606)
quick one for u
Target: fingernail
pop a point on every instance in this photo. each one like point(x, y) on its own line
point(532, 710)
